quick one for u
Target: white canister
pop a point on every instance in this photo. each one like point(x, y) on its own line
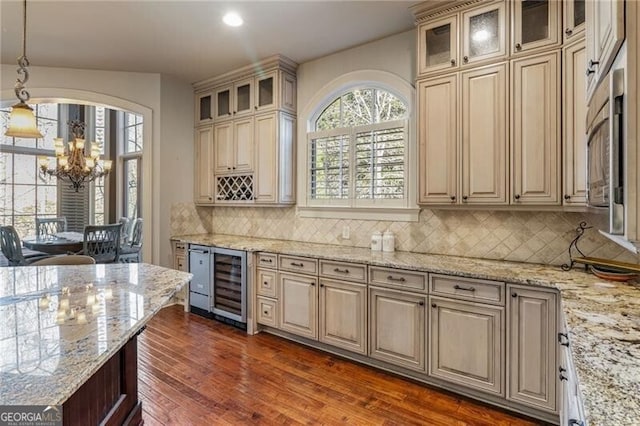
point(388, 241)
point(376, 241)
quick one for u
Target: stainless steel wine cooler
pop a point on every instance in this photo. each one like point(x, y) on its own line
point(228, 297)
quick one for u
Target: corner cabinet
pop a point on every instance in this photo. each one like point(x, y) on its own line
point(251, 138)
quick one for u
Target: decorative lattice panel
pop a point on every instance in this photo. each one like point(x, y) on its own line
point(234, 188)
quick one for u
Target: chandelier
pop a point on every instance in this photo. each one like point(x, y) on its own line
point(22, 122)
point(72, 164)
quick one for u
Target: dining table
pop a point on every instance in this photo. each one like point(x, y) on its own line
point(59, 243)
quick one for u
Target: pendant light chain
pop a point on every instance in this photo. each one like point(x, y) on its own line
point(23, 74)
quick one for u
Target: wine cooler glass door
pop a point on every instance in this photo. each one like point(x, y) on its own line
point(229, 284)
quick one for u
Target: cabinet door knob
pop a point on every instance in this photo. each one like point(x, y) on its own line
point(255, 107)
point(433, 305)
point(321, 285)
point(517, 196)
point(312, 283)
point(265, 312)
point(465, 59)
point(562, 369)
point(567, 197)
point(233, 168)
point(518, 46)
point(228, 168)
point(568, 31)
point(453, 198)
point(229, 113)
point(593, 63)
point(590, 71)
point(210, 198)
point(562, 377)
point(514, 294)
point(453, 62)
point(421, 303)
point(464, 198)
point(265, 284)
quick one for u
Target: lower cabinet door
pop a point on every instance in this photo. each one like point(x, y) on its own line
point(397, 327)
point(466, 344)
point(299, 305)
point(531, 340)
point(343, 315)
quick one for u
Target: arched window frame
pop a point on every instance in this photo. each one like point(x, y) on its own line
point(373, 209)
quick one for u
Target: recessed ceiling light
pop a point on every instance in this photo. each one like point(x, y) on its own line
point(232, 19)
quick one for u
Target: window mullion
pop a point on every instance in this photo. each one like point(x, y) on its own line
point(352, 167)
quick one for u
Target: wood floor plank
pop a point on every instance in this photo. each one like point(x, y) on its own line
point(195, 371)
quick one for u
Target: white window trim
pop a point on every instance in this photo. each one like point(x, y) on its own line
point(338, 208)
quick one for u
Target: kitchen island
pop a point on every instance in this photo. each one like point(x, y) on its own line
point(68, 336)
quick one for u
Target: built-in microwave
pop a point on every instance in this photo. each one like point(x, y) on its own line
point(605, 150)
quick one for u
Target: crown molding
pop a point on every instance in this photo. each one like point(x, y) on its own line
point(429, 10)
point(261, 67)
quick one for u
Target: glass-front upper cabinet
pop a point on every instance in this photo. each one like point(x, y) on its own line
point(204, 110)
point(574, 18)
point(484, 33)
point(438, 45)
point(266, 90)
point(234, 100)
point(536, 23)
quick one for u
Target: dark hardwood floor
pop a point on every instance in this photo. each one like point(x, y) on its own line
point(195, 371)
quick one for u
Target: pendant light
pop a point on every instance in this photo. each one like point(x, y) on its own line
point(22, 122)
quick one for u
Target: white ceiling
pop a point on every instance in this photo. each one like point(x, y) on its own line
point(187, 39)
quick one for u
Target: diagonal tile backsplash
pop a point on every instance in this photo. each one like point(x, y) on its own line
point(536, 237)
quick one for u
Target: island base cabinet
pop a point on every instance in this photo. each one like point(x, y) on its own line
point(343, 315)
point(531, 340)
point(466, 344)
point(299, 305)
point(110, 396)
point(397, 327)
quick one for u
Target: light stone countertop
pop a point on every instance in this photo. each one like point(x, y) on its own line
point(47, 351)
point(603, 317)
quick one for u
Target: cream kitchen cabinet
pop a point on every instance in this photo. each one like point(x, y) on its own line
point(472, 161)
point(438, 140)
point(397, 327)
point(299, 304)
point(531, 345)
point(275, 90)
point(574, 14)
point(604, 36)
point(535, 24)
point(574, 140)
point(535, 123)
point(234, 100)
point(204, 187)
point(233, 142)
point(274, 157)
point(267, 290)
point(466, 343)
point(204, 108)
point(463, 39)
point(343, 315)
point(484, 135)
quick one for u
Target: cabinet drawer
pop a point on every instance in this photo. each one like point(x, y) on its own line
point(302, 265)
point(199, 287)
point(267, 260)
point(267, 312)
point(467, 289)
point(344, 271)
point(267, 283)
point(199, 301)
point(180, 248)
point(398, 278)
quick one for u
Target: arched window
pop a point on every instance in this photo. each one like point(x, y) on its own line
point(357, 150)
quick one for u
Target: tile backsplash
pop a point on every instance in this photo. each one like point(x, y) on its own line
point(536, 237)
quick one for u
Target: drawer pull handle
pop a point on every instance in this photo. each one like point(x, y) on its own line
point(562, 377)
point(514, 295)
point(392, 278)
point(574, 422)
point(562, 369)
point(299, 265)
point(459, 287)
point(421, 303)
point(266, 260)
point(433, 305)
point(313, 284)
point(565, 337)
point(342, 271)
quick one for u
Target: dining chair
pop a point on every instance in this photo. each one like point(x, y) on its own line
point(102, 242)
point(50, 226)
point(130, 252)
point(11, 247)
point(66, 259)
point(125, 230)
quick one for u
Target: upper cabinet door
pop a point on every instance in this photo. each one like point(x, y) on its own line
point(243, 97)
point(536, 23)
point(223, 102)
point(204, 110)
point(484, 33)
point(266, 91)
point(574, 18)
point(438, 45)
